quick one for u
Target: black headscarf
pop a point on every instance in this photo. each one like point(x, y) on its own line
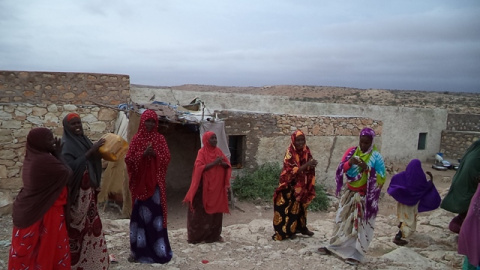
point(74, 149)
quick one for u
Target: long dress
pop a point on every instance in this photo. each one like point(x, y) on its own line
point(39, 235)
point(469, 236)
point(207, 196)
point(149, 241)
point(87, 240)
point(464, 184)
point(358, 206)
point(43, 245)
point(294, 193)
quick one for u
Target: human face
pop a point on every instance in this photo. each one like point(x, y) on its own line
point(150, 124)
point(50, 142)
point(299, 142)
point(75, 126)
point(365, 143)
point(213, 140)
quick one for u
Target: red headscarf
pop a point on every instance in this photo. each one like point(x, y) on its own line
point(44, 177)
point(215, 181)
point(146, 173)
point(302, 182)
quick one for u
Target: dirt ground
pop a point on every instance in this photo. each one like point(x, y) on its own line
point(241, 213)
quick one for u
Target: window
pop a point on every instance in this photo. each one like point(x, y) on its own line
point(236, 147)
point(422, 141)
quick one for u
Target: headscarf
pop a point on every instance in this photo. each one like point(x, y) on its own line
point(374, 177)
point(302, 182)
point(146, 173)
point(44, 177)
point(465, 181)
point(74, 149)
point(215, 181)
point(411, 187)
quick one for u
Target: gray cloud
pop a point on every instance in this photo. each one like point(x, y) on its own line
point(429, 45)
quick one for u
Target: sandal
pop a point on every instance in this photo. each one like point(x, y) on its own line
point(324, 251)
point(307, 232)
point(131, 259)
point(112, 258)
point(400, 242)
point(352, 261)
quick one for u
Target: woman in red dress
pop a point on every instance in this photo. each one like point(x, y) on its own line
point(207, 196)
point(39, 238)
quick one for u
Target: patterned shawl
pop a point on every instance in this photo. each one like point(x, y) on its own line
point(374, 175)
point(44, 177)
point(302, 182)
point(146, 173)
point(215, 181)
point(411, 187)
point(74, 149)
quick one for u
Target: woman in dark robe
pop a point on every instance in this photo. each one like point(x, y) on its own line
point(207, 196)
point(147, 161)
point(39, 238)
point(87, 240)
point(295, 191)
point(464, 184)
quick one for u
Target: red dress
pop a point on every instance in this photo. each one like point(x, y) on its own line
point(43, 245)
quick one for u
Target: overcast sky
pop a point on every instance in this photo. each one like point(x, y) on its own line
point(429, 45)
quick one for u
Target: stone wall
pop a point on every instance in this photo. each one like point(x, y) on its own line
point(455, 143)
point(463, 122)
point(401, 126)
point(267, 136)
point(42, 99)
point(63, 88)
point(462, 130)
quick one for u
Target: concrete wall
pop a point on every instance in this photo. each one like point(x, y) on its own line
point(400, 131)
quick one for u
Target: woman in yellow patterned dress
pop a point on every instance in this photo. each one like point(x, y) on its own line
point(295, 191)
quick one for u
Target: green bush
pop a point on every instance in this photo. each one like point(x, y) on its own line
point(261, 184)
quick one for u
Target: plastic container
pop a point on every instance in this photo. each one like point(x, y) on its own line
point(115, 147)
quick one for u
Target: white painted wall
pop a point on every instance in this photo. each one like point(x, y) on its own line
point(401, 125)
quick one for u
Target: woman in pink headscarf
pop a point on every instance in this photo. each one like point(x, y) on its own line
point(364, 170)
point(207, 197)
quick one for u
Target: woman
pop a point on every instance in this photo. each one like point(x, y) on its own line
point(464, 185)
point(147, 160)
point(39, 238)
point(364, 169)
point(207, 196)
point(87, 241)
point(414, 194)
point(295, 191)
point(469, 236)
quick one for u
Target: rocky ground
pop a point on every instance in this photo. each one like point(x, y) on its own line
point(248, 229)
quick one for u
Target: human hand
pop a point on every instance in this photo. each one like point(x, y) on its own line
point(57, 147)
point(312, 162)
point(98, 143)
point(149, 150)
point(358, 161)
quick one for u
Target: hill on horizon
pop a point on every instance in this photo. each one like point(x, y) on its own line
point(454, 102)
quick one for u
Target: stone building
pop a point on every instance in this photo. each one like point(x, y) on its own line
point(258, 127)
